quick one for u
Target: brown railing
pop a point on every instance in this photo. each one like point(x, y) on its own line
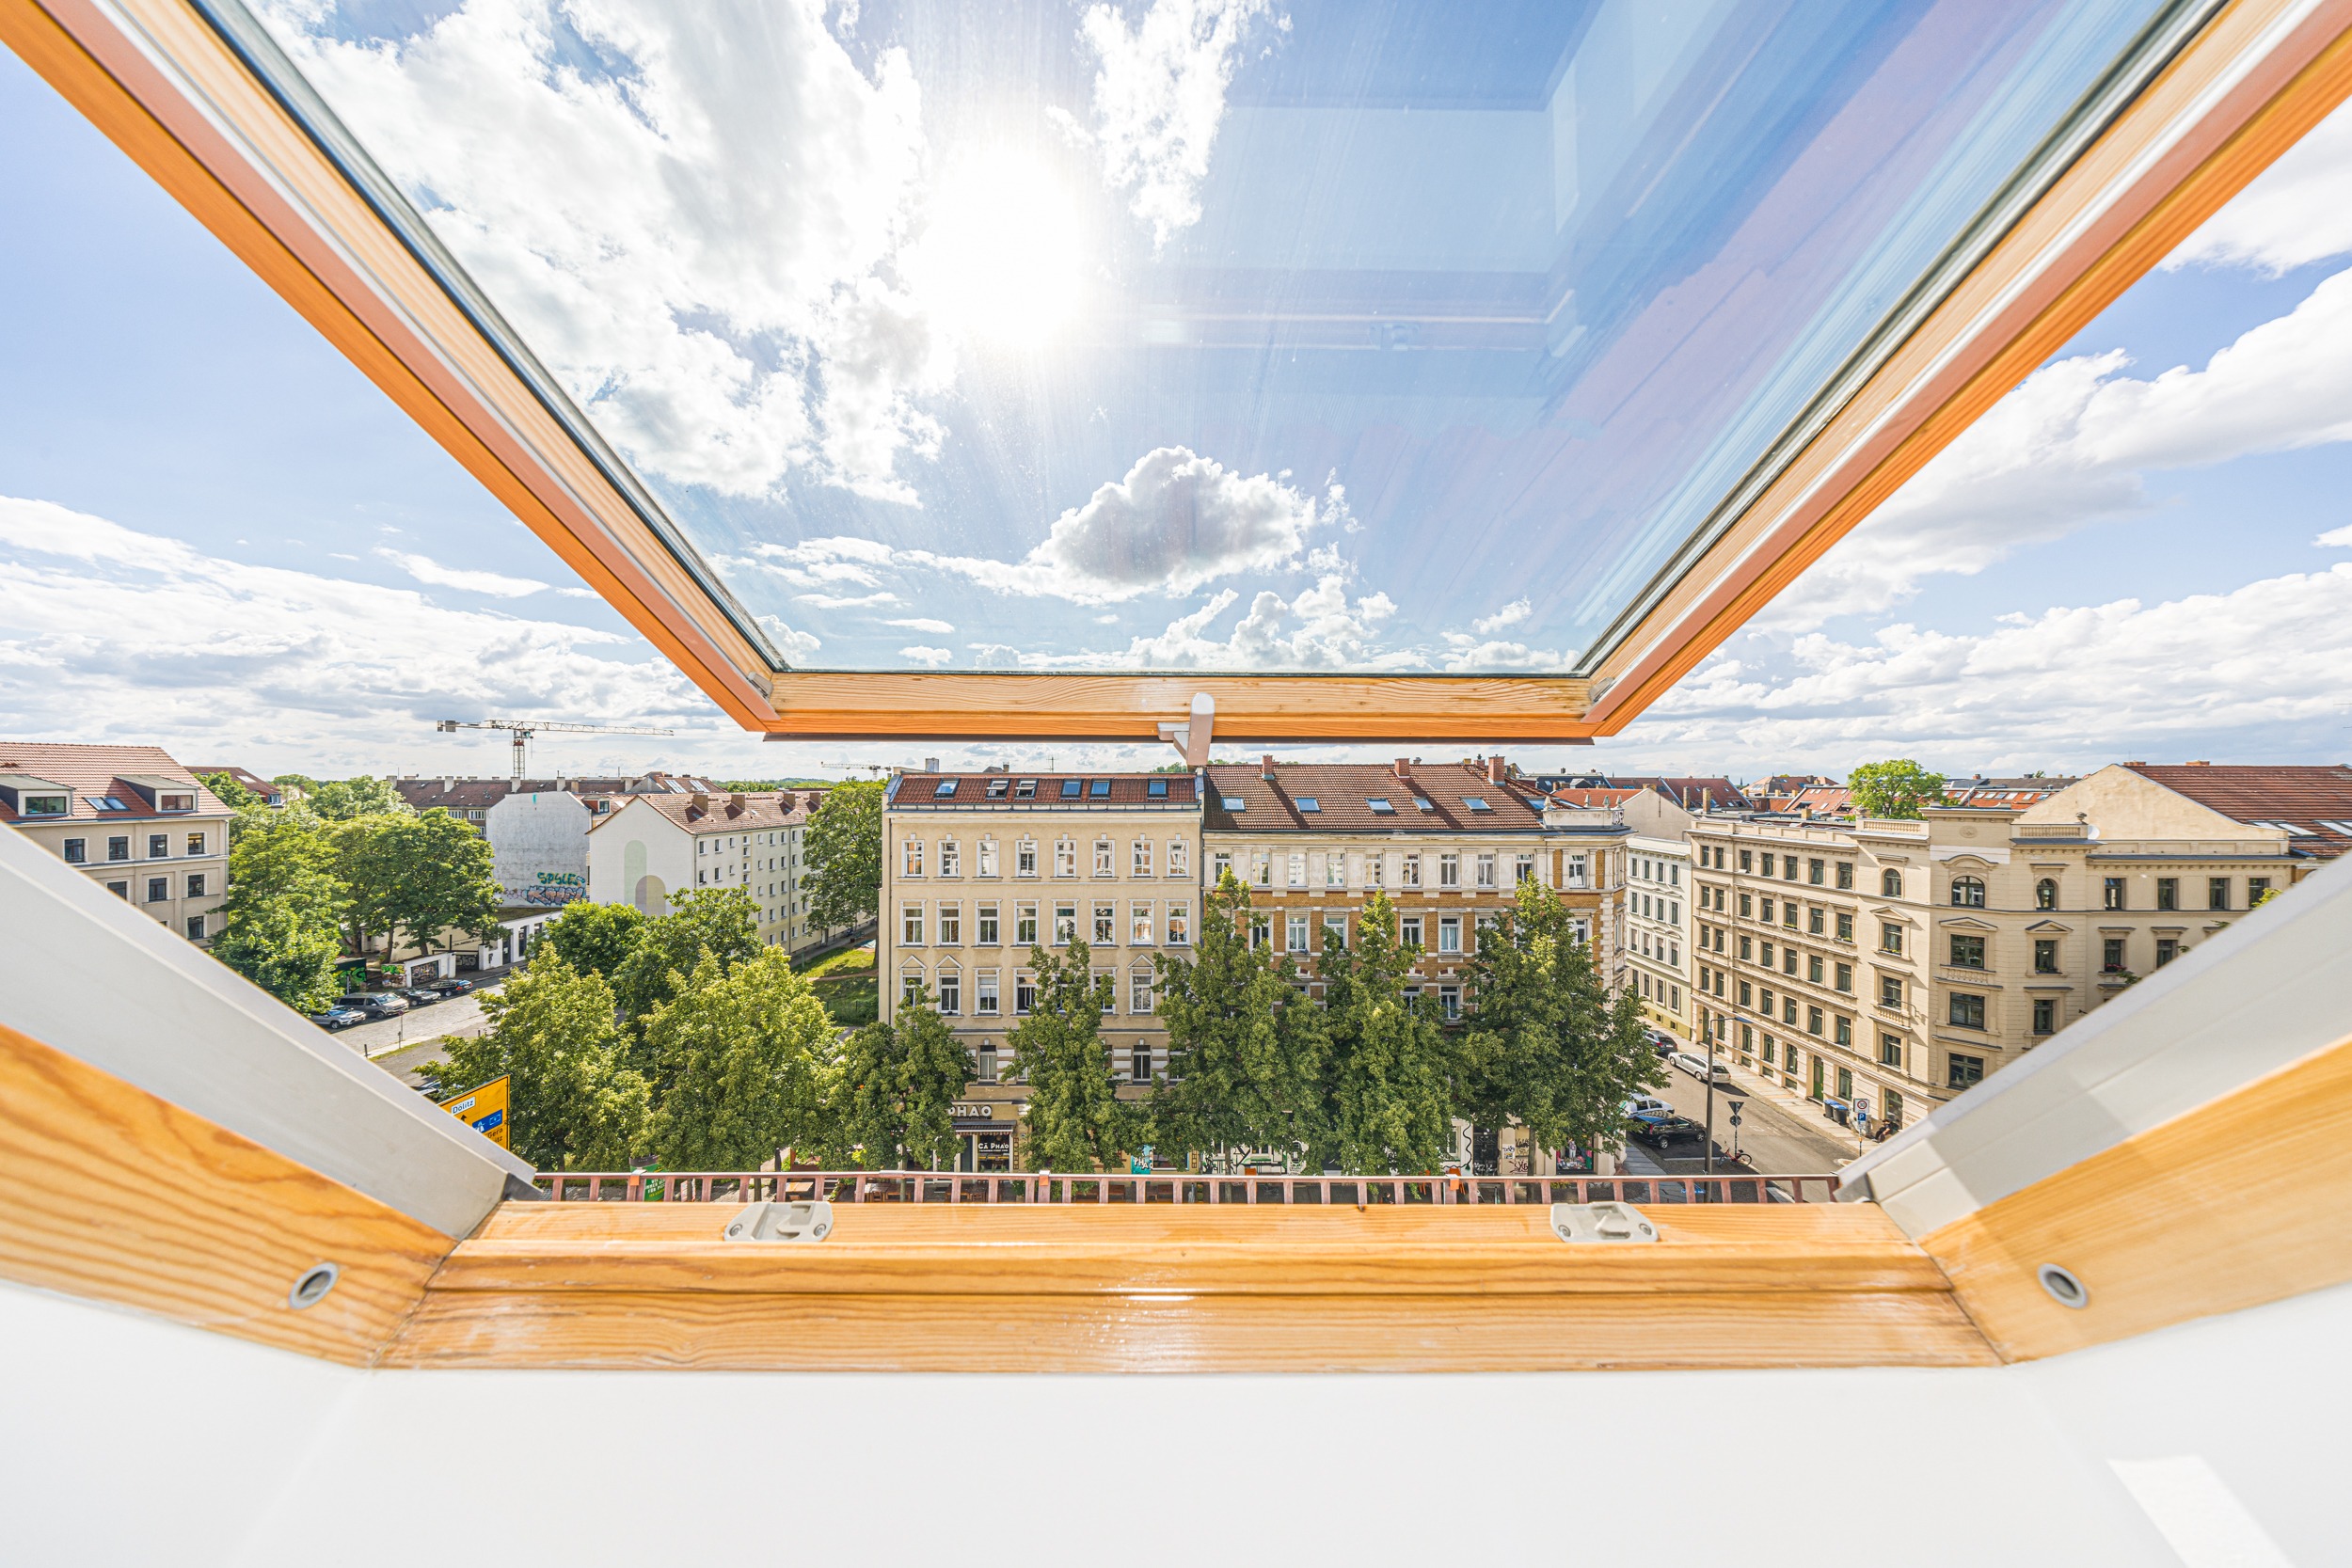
point(1170, 1187)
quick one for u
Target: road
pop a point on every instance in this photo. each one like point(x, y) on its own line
point(1778, 1140)
point(401, 1045)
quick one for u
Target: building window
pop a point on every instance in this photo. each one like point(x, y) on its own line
point(76, 852)
point(984, 916)
point(2216, 893)
point(1845, 875)
point(2112, 963)
point(1576, 871)
point(1065, 857)
point(1960, 1073)
point(1967, 952)
point(1410, 927)
point(158, 847)
point(117, 848)
point(195, 886)
point(1890, 991)
point(1486, 871)
point(951, 925)
point(2168, 949)
point(951, 858)
point(1103, 857)
point(1814, 922)
point(1335, 931)
point(911, 925)
point(1890, 884)
point(2114, 893)
point(1140, 1000)
point(1844, 1032)
point(1844, 976)
point(1335, 869)
point(984, 994)
point(1065, 925)
point(985, 1066)
point(1789, 868)
point(1179, 925)
point(1106, 925)
point(1891, 1051)
point(196, 927)
point(1294, 934)
point(1140, 929)
point(1814, 872)
point(1106, 987)
point(121, 890)
point(2167, 892)
point(1450, 1001)
point(2046, 894)
point(1179, 858)
point(1449, 871)
point(1812, 1019)
point(1789, 1009)
point(2257, 888)
point(910, 989)
point(1788, 913)
point(1449, 935)
point(158, 890)
point(1744, 993)
point(1845, 1083)
point(1024, 992)
point(1025, 859)
point(1525, 869)
point(1845, 928)
point(1262, 867)
point(2045, 1015)
point(1221, 866)
point(1968, 892)
point(2045, 956)
point(1967, 1011)
point(1024, 924)
point(1813, 969)
point(911, 858)
point(950, 992)
point(1142, 857)
point(988, 857)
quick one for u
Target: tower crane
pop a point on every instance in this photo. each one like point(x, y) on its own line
point(525, 728)
point(875, 768)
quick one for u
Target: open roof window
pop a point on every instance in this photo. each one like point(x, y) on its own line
point(996, 788)
point(1026, 789)
point(1721, 263)
point(947, 787)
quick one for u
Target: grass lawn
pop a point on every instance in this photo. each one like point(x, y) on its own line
point(844, 962)
point(851, 1002)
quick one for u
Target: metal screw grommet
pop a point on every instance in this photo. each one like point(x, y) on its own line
point(2063, 1286)
point(312, 1289)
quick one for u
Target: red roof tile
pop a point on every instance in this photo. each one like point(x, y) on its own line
point(90, 771)
point(1343, 793)
point(920, 791)
point(2315, 801)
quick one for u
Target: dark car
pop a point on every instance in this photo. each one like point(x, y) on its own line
point(451, 988)
point(373, 1003)
point(418, 996)
point(1658, 1131)
point(338, 1018)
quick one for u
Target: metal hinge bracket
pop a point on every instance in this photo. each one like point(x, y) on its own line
point(781, 1222)
point(1612, 1223)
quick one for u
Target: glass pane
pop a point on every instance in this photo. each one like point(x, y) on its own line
point(1223, 336)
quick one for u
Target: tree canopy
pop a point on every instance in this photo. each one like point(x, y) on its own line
point(444, 881)
point(1893, 789)
point(744, 1057)
point(342, 800)
point(1075, 1120)
point(1390, 1072)
point(282, 918)
point(596, 938)
point(844, 849)
point(574, 1102)
point(895, 1089)
point(722, 922)
point(1241, 1074)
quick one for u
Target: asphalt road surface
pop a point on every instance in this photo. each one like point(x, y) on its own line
point(1777, 1141)
point(401, 1045)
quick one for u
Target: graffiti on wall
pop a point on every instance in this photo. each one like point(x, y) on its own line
point(555, 887)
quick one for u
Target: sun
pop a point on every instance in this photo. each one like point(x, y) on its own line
point(1004, 256)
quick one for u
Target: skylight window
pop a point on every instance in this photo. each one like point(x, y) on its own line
point(1422, 802)
point(1024, 790)
point(106, 802)
point(1308, 803)
point(1380, 806)
point(947, 787)
point(1235, 802)
point(1070, 788)
point(1159, 790)
point(996, 788)
point(1475, 803)
point(2336, 825)
point(1099, 789)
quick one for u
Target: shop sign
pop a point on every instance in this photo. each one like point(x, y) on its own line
point(983, 1115)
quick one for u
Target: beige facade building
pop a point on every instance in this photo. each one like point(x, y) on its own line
point(979, 868)
point(652, 846)
point(131, 819)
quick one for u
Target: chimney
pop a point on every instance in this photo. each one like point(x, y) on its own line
point(735, 801)
point(698, 801)
point(1266, 767)
point(1404, 768)
point(1497, 771)
point(930, 765)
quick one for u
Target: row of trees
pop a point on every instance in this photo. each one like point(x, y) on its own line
point(306, 887)
point(681, 1039)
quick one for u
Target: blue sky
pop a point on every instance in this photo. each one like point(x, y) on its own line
point(217, 536)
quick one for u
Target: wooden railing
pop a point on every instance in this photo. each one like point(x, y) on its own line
point(1170, 1187)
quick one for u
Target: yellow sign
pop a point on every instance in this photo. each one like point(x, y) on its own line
point(483, 1109)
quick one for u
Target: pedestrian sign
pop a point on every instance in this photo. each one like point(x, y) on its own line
point(484, 1108)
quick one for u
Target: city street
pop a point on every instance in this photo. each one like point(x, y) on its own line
point(1780, 1141)
point(401, 1045)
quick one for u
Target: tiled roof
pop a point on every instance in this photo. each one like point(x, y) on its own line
point(2315, 801)
point(244, 776)
point(90, 771)
point(1690, 794)
point(1593, 796)
point(721, 813)
point(1343, 792)
point(920, 791)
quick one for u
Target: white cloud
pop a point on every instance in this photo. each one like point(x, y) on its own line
point(1176, 522)
point(919, 623)
point(107, 633)
point(932, 657)
point(2069, 446)
point(830, 601)
point(425, 569)
point(1320, 629)
point(2335, 536)
point(815, 563)
point(1467, 656)
point(798, 647)
point(2297, 211)
point(696, 224)
point(1159, 98)
point(1509, 615)
point(1111, 620)
point(577, 593)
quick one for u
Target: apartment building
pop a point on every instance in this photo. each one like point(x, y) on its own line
point(1658, 929)
point(651, 845)
point(130, 819)
point(979, 868)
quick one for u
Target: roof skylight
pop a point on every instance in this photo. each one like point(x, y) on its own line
point(1380, 806)
point(1099, 789)
point(1423, 801)
point(1070, 788)
point(1157, 790)
point(1235, 802)
point(1308, 803)
point(1476, 803)
point(947, 787)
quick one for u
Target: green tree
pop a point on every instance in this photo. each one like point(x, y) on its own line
point(574, 1102)
point(596, 938)
point(443, 881)
point(746, 1056)
point(722, 922)
point(1389, 1074)
point(229, 792)
point(1075, 1120)
point(895, 1093)
point(844, 848)
point(1546, 1047)
point(342, 800)
point(369, 864)
point(1894, 789)
point(1242, 1072)
point(282, 918)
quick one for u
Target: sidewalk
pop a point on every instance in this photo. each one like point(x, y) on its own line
point(1769, 1091)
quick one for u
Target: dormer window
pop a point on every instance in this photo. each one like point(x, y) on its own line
point(46, 805)
point(175, 803)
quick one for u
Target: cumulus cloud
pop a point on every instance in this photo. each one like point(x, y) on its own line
point(695, 225)
point(1320, 629)
point(1159, 98)
point(1509, 615)
point(798, 647)
point(1176, 522)
point(932, 657)
point(2069, 446)
point(1467, 656)
point(425, 569)
point(833, 601)
point(918, 623)
point(110, 633)
point(2297, 212)
point(2335, 536)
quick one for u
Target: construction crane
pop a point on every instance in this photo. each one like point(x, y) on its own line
point(931, 765)
point(525, 728)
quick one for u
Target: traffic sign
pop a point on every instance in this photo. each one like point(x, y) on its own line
point(1735, 1119)
point(484, 1108)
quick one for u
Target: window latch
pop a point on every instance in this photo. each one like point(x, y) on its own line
point(1614, 1224)
point(781, 1222)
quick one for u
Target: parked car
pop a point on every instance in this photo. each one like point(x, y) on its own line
point(1658, 1131)
point(418, 996)
point(375, 1004)
point(1647, 1104)
point(452, 988)
point(338, 1018)
point(1699, 1066)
